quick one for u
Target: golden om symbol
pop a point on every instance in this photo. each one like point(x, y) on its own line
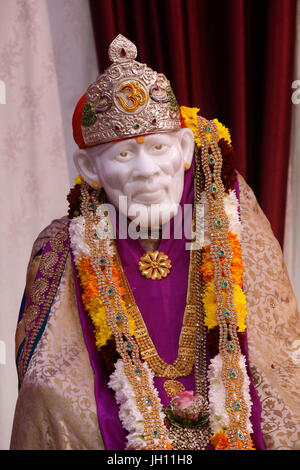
point(136, 96)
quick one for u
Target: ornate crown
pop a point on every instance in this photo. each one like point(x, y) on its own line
point(128, 99)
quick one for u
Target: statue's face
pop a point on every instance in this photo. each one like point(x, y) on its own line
point(148, 171)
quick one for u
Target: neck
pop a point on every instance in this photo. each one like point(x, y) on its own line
point(150, 241)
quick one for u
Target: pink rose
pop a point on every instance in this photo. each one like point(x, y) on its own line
point(187, 405)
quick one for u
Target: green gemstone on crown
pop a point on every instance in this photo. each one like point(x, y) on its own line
point(217, 223)
point(173, 105)
point(88, 117)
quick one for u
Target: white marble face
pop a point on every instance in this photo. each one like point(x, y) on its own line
point(143, 176)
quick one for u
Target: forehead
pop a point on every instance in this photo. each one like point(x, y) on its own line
point(169, 138)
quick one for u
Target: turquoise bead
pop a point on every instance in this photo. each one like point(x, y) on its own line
point(118, 318)
point(207, 128)
point(217, 223)
point(224, 284)
point(232, 374)
point(128, 347)
point(213, 188)
point(221, 252)
point(236, 405)
point(226, 314)
point(110, 291)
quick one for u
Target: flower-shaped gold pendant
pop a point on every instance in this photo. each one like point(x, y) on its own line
point(154, 265)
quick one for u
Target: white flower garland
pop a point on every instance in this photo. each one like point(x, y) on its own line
point(129, 415)
point(218, 416)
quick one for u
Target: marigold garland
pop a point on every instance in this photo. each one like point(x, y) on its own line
point(94, 305)
point(190, 118)
point(210, 306)
point(237, 266)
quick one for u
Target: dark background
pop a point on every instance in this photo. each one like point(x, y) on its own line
point(233, 59)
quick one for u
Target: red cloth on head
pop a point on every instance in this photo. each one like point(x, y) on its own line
point(76, 124)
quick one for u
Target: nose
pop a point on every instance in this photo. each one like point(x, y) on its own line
point(145, 165)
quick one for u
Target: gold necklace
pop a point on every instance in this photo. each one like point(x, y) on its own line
point(184, 363)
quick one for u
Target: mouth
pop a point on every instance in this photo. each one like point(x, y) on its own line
point(148, 197)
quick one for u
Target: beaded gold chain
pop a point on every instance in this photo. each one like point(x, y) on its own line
point(229, 347)
point(184, 362)
point(155, 433)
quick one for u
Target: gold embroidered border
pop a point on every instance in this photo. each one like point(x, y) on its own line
point(42, 294)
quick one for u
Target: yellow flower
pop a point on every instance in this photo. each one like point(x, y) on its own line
point(223, 131)
point(190, 118)
point(210, 306)
point(78, 179)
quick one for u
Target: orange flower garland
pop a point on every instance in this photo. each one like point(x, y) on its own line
point(237, 266)
point(94, 305)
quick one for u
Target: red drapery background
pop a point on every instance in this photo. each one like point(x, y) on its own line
point(231, 58)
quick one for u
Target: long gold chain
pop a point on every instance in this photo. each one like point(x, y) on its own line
point(229, 347)
point(183, 364)
point(155, 433)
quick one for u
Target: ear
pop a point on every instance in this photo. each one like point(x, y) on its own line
point(187, 143)
point(83, 162)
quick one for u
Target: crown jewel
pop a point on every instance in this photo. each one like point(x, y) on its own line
point(128, 99)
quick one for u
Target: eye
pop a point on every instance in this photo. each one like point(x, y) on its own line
point(159, 148)
point(123, 154)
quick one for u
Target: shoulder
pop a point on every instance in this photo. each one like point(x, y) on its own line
point(56, 227)
point(51, 231)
